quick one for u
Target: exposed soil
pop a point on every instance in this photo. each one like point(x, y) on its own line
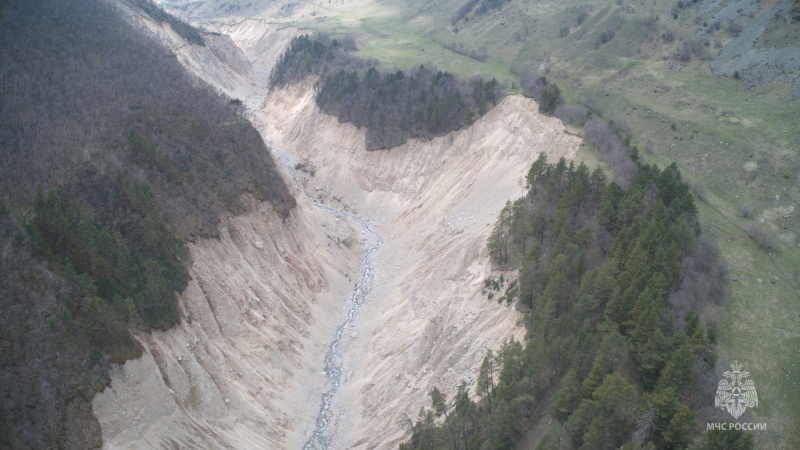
point(426, 322)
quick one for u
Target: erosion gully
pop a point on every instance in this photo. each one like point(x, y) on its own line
point(319, 439)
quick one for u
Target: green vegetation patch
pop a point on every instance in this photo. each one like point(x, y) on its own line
point(110, 239)
point(616, 282)
point(393, 106)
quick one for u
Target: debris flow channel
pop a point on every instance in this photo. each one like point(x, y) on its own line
point(333, 372)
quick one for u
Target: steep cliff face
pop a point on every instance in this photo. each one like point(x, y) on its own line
point(264, 299)
point(261, 42)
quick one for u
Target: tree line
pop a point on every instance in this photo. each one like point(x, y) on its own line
point(615, 283)
point(545, 92)
point(455, 46)
point(393, 106)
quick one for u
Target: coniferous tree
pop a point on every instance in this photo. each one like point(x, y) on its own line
point(600, 279)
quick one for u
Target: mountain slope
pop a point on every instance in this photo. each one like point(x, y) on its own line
point(665, 73)
point(406, 309)
point(112, 157)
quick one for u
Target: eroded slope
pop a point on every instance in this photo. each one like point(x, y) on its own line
point(426, 322)
point(240, 370)
point(265, 298)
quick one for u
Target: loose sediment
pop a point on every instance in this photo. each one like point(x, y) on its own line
point(333, 360)
point(427, 323)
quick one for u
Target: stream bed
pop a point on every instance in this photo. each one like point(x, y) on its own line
point(333, 359)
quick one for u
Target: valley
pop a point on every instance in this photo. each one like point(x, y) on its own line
point(382, 224)
point(424, 321)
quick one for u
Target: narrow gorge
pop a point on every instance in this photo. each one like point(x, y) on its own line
point(366, 297)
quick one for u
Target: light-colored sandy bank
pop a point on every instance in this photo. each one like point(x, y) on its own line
point(426, 322)
point(242, 368)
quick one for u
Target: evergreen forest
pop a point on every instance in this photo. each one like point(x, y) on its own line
point(421, 102)
point(617, 284)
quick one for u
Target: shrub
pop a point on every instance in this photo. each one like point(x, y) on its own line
point(581, 17)
point(547, 94)
point(696, 47)
point(766, 239)
point(746, 210)
point(593, 103)
point(479, 54)
point(489, 5)
point(606, 35)
point(698, 189)
point(734, 29)
point(650, 24)
point(573, 115)
point(610, 149)
point(463, 11)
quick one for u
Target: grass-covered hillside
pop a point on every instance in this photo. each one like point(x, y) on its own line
point(112, 158)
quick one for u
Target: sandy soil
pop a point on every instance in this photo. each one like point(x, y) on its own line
point(426, 322)
point(264, 300)
point(242, 369)
point(262, 42)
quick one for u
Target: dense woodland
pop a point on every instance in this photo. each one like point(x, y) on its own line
point(393, 106)
point(112, 157)
point(618, 284)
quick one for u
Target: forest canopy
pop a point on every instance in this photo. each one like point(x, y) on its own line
point(393, 105)
point(615, 283)
point(112, 158)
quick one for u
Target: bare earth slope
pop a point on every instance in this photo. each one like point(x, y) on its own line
point(262, 42)
point(236, 373)
point(426, 322)
point(243, 369)
point(219, 62)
